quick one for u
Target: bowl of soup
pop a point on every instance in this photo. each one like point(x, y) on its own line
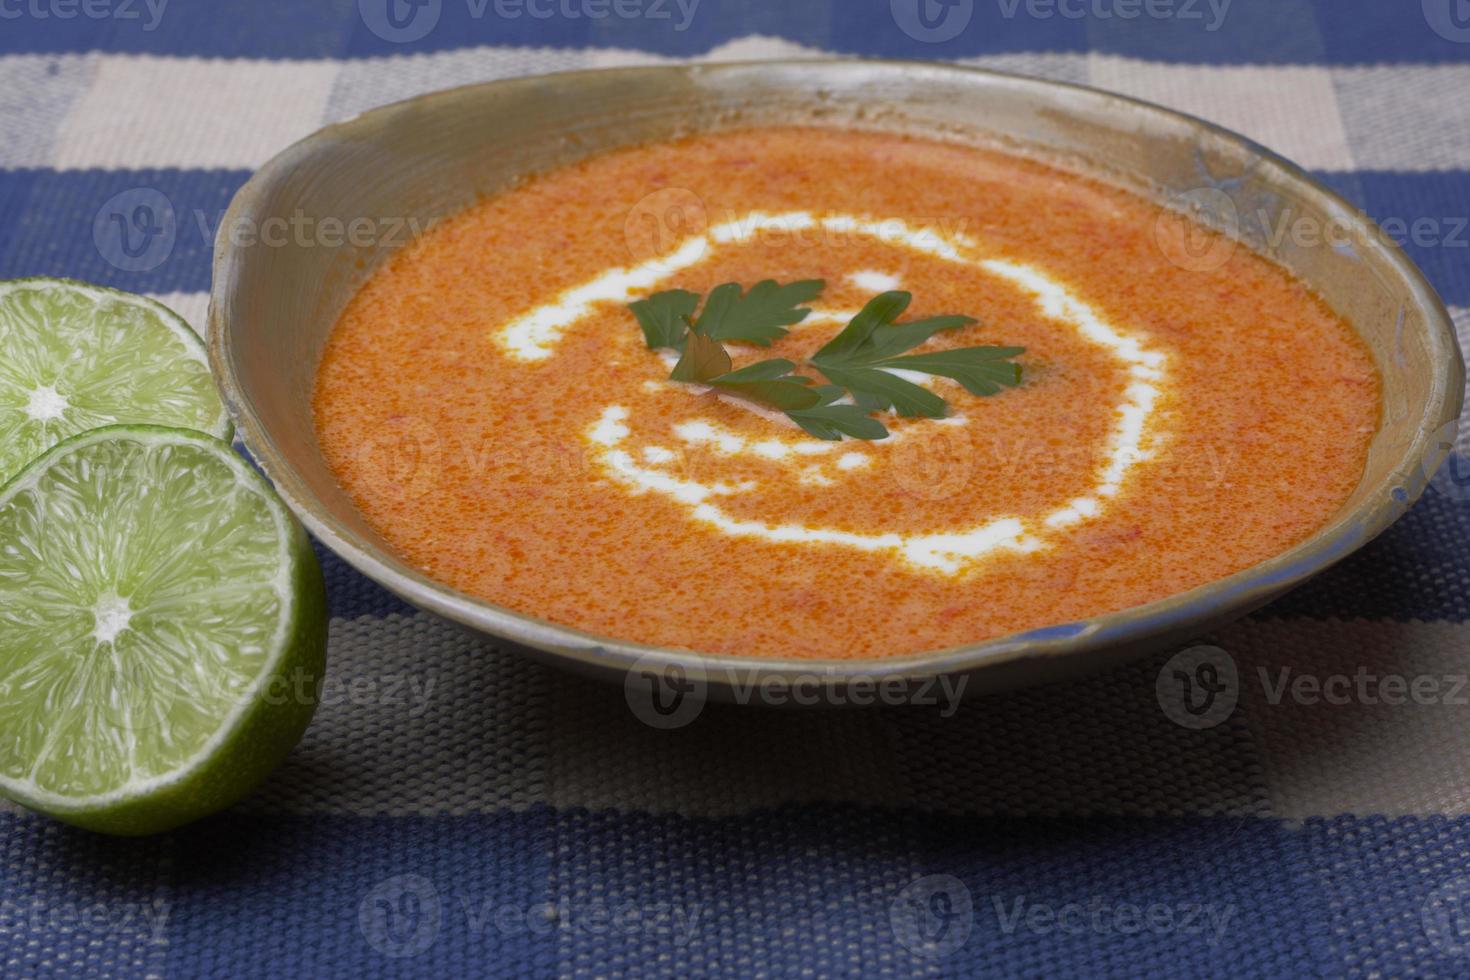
point(537, 360)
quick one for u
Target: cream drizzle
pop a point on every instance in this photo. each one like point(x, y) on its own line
point(534, 336)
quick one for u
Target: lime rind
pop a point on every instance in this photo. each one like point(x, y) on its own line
point(204, 715)
point(74, 357)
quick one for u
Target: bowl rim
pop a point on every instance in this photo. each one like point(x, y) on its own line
point(1219, 600)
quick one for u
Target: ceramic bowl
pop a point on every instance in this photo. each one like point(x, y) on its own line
point(273, 305)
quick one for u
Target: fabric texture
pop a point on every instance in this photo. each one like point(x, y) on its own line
point(457, 810)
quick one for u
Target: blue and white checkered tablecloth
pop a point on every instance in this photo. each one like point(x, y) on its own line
point(455, 810)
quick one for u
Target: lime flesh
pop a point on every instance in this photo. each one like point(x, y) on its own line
point(75, 357)
point(162, 629)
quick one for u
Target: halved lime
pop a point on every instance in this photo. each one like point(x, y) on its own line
point(162, 629)
point(74, 357)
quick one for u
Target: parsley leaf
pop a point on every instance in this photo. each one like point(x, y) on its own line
point(828, 421)
point(759, 316)
point(880, 391)
point(861, 356)
point(702, 360)
point(770, 383)
point(881, 309)
point(859, 361)
point(664, 317)
point(982, 370)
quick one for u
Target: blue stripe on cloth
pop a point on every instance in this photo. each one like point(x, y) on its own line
point(140, 230)
point(217, 28)
point(1428, 214)
point(823, 890)
point(1189, 31)
point(1205, 32)
point(1372, 32)
point(817, 890)
point(1398, 891)
point(76, 902)
point(153, 230)
point(348, 896)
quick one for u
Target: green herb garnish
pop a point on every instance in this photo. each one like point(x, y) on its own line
point(664, 317)
point(702, 361)
point(768, 382)
point(828, 421)
point(857, 361)
point(757, 317)
point(856, 357)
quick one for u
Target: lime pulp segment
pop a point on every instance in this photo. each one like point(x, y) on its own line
point(150, 582)
point(75, 357)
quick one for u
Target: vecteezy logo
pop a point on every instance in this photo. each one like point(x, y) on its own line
point(1199, 687)
point(663, 696)
point(401, 458)
point(1445, 916)
point(136, 230)
point(400, 21)
point(1453, 476)
point(1450, 19)
point(935, 465)
point(932, 21)
point(662, 221)
point(933, 916)
point(1182, 232)
point(400, 916)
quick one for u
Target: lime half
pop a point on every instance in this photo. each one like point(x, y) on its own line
point(162, 629)
point(74, 357)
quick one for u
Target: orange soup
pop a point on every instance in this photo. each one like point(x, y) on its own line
point(1186, 408)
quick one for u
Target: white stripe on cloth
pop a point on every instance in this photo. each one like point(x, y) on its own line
point(138, 111)
point(1397, 744)
point(419, 717)
point(1292, 110)
point(193, 307)
point(375, 81)
point(1406, 117)
point(36, 92)
point(142, 111)
point(422, 718)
